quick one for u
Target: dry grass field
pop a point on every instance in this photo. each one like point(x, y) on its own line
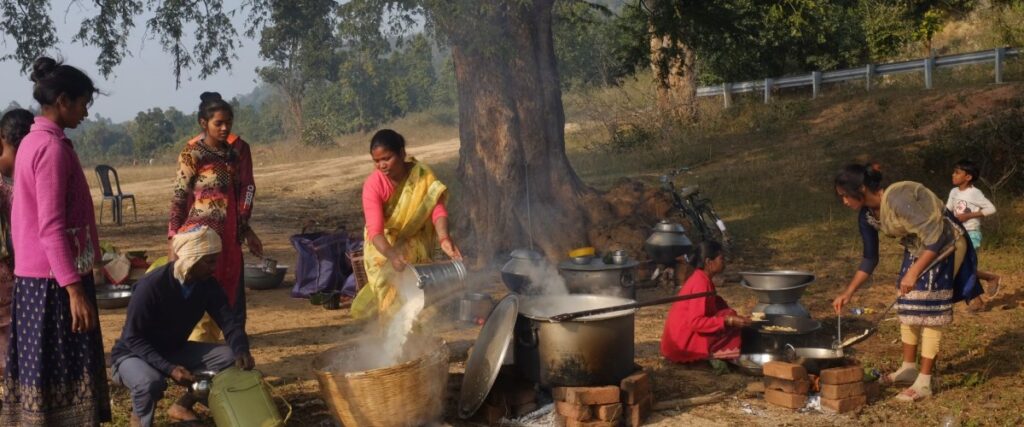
point(768, 170)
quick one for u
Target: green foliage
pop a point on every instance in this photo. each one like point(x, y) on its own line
point(591, 43)
point(150, 132)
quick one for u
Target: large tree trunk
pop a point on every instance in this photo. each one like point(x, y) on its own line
point(675, 76)
point(518, 185)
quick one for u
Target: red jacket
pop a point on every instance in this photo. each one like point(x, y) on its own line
point(694, 325)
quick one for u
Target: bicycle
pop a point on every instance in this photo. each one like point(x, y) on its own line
point(697, 211)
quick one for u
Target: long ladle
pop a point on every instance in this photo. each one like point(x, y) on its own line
point(874, 327)
point(577, 314)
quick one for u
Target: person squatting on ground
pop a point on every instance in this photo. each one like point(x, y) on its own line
point(14, 125)
point(166, 305)
point(702, 328)
point(56, 372)
point(214, 187)
point(927, 285)
point(969, 205)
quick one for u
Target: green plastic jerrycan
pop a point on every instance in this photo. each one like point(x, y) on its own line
point(241, 398)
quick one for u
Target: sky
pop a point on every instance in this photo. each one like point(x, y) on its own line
point(145, 78)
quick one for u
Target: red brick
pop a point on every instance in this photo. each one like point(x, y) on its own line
point(574, 411)
point(610, 412)
point(844, 405)
point(783, 370)
point(588, 395)
point(840, 391)
point(785, 400)
point(872, 390)
point(635, 387)
point(844, 375)
point(635, 414)
point(788, 386)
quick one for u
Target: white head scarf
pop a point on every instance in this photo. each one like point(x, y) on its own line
point(192, 245)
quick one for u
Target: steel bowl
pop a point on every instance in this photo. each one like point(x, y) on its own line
point(582, 260)
point(256, 278)
point(776, 280)
point(113, 299)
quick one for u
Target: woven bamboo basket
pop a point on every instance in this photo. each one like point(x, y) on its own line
point(407, 394)
point(358, 268)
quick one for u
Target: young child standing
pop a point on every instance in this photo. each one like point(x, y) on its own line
point(969, 204)
point(14, 126)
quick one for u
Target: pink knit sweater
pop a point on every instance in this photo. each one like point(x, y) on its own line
point(52, 221)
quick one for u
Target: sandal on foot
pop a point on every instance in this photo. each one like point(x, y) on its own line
point(890, 380)
point(911, 394)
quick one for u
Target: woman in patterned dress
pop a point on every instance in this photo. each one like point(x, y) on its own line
point(214, 187)
point(927, 285)
point(13, 127)
point(56, 372)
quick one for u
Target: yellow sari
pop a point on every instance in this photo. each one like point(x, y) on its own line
point(409, 229)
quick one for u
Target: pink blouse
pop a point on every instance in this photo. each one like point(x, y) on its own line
point(376, 191)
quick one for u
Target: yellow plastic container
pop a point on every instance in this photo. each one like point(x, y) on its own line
point(584, 251)
point(242, 399)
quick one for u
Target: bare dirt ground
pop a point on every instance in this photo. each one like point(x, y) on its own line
point(780, 209)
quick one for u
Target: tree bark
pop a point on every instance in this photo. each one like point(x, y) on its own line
point(677, 83)
point(518, 185)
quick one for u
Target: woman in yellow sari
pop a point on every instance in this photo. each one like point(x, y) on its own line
point(403, 204)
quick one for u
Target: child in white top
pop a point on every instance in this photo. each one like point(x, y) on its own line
point(969, 204)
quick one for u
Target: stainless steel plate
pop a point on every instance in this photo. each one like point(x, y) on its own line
point(488, 355)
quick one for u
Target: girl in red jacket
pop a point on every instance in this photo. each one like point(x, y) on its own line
point(702, 328)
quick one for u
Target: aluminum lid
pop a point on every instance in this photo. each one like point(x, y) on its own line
point(527, 254)
point(488, 355)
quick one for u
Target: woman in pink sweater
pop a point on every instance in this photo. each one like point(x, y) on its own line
point(56, 374)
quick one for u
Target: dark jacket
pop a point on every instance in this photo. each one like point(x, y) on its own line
point(160, 318)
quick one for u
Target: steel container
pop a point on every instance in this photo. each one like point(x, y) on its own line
point(598, 278)
point(475, 307)
point(523, 264)
point(667, 242)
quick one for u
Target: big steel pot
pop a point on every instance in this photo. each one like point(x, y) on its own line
point(598, 278)
point(589, 351)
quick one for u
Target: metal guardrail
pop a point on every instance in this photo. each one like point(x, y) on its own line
point(816, 78)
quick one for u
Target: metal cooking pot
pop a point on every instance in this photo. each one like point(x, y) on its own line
point(598, 278)
point(667, 242)
point(474, 307)
point(521, 266)
point(588, 351)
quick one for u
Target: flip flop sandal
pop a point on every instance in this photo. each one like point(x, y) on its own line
point(889, 379)
point(910, 395)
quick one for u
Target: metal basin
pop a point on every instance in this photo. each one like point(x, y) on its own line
point(113, 299)
point(256, 278)
point(778, 296)
point(598, 278)
point(776, 280)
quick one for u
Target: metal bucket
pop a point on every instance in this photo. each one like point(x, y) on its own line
point(475, 307)
point(439, 275)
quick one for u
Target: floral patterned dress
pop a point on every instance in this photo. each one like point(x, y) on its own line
point(6, 267)
point(215, 188)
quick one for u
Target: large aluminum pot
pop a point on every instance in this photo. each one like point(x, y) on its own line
point(667, 242)
point(597, 278)
point(589, 351)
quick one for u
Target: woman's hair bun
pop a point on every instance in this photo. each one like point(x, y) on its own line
point(43, 67)
point(210, 96)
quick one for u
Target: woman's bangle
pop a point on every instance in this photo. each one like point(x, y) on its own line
point(448, 238)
